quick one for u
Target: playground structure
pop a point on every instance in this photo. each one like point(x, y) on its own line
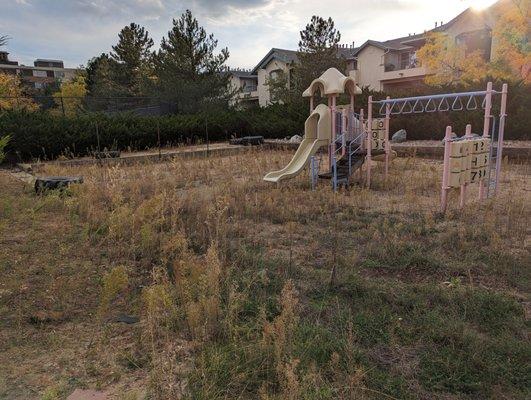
point(337, 128)
point(352, 141)
point(467, 159)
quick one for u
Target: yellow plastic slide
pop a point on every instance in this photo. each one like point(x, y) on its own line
point(317, 134)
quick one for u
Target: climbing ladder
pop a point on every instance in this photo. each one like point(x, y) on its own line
point(347, 153)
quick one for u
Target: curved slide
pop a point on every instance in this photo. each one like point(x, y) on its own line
point(317, 134)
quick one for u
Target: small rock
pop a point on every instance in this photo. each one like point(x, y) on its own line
point(295, 139)
point(453, 137)
point(399, 136)
point(126, 319)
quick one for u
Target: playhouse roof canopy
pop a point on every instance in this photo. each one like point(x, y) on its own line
point(332, 82)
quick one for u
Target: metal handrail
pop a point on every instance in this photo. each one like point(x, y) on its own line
point(342, 139)
point(351, 152)
point(249, 89)
point(434, 103)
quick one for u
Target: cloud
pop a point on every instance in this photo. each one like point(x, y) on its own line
point(76, 30)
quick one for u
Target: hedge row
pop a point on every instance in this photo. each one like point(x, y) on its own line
point(46, 135)
point(43, 135)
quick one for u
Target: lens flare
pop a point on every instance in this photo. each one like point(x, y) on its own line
point(480, 4)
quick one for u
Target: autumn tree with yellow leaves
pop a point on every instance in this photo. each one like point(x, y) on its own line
point(448, 61)
point(69, 98)
point(512, 50)
point(12, 96)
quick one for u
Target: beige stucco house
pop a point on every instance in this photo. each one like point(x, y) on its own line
point(392, 64)
point(245, 85)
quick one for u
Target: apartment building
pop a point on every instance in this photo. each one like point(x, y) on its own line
point(43, 72)
point(387, 65)
point(392, 64)
point(246, 84)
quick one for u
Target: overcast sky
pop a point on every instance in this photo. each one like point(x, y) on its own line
point(76, 30)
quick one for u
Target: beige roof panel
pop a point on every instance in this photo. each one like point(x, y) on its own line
point(332, 82)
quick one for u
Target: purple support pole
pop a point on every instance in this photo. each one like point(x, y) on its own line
point(446, 169)
point(501, 130)
point(486, 126)
point(369, 141)
point(387, 146)
point(311, 104)
point(344, 120)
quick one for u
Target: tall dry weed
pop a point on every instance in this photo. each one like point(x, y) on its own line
point(278, 335)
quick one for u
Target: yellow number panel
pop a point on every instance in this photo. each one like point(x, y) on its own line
point(478, 174)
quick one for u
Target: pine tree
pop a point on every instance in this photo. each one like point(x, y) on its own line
point(189, 71)
point(317, 51)
point(100, 79)
point(132, 56)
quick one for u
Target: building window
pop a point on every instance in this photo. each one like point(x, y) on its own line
point(405, 60)
point(275, 74)
point(478, 40)
point(40, 74)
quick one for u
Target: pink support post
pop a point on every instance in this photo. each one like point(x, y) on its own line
point(501, 130)
point(362, 142)
point(464, 186)
point(332, 105)
point(311, 104)
point(446, 169)
point(352, 102)
point(369, 141)
point(387, 145)
point(486, 125)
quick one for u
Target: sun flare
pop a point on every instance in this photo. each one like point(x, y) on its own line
point(480, 4)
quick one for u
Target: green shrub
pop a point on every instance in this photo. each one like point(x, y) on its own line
point(47, 135)
point(44, 135)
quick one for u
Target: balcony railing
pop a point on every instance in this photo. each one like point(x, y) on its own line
point(249, 89)
point(392, 67)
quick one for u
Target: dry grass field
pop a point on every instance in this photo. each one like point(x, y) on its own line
point(248, 290)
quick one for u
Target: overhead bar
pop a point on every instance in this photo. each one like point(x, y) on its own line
point(436, 96)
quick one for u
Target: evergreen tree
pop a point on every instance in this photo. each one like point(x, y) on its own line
point(318, 51)
point(100, 81)
point(189, 71)
point(132, 56)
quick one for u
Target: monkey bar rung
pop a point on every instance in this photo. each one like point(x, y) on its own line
point(469, 101)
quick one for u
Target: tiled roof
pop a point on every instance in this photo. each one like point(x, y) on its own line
point(241, 73)
point(402, 42)
point(289, 56)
